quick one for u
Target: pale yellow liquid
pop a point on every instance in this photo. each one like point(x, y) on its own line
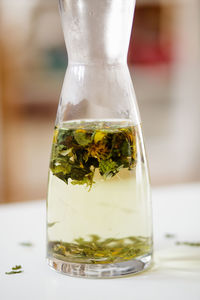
point(118, 207)
point(112, 208)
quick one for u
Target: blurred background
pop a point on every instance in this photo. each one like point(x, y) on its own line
point(164, 60)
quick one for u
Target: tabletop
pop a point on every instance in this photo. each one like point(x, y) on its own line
point(174, 275)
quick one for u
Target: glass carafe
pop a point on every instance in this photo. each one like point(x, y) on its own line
point(99, 206)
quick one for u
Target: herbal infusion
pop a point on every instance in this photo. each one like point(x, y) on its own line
point(98, 187)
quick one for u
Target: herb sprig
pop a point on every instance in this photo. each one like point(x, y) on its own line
point(192, 244)
point(26, 244)
point(15, 270)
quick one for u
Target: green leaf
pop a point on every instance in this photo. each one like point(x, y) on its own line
point(82, 137)
point(108, 168)
point(56, 150)
point(78, 173)
point(170, 236)
point(51, 224)
point(191, 244)
point(63, 177)
point(126, 149)
point(66, 152)
point(62, 134)
point(88, 180)
point(26, 244)
point(85, 180)
point(16, 268)
point(13, 272)
point(63, 168)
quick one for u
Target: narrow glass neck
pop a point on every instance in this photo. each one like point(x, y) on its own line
point(97, 31)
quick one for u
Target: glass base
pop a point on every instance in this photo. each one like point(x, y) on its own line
point(101, 270)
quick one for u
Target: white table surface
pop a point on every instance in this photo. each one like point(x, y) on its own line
point(175, 274)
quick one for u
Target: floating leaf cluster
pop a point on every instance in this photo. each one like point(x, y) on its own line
point(97, 251)
point(79, 150)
